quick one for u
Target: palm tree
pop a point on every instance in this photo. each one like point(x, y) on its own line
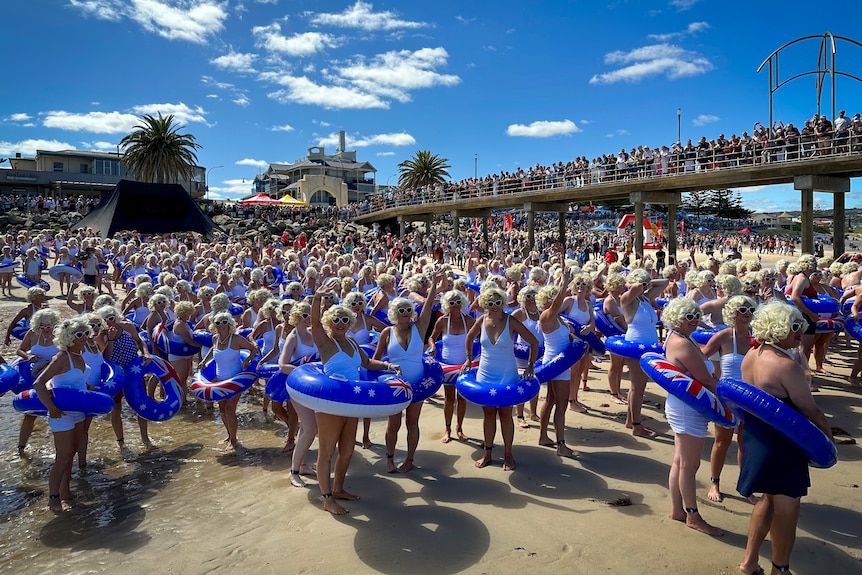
point(155, 152)
point(424, 169)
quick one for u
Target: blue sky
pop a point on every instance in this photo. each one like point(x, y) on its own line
point(503, 84)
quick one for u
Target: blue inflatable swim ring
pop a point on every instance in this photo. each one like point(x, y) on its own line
point(206, 387)
point(432, 378)
point(495, 394)
point(276, 382)
point(136, 394)
point(820, 304)
point(618, 345)
point(91, 403)
point(111, 379)
point(26, 282)
point(9, 378)
point(748, 401)
point(20, 329)
point(676, 382)
point(545, 372)
point(387, 395)
point(593, 340)
point(605, 324)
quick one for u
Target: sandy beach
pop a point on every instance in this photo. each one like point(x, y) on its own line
point(186, 508)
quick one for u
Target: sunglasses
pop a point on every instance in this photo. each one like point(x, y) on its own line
point(581, 284)
point(328, 297)
point(80, 334)
point(645, 285)
point(45, 326)
point(818, 274)
point(768, 278)
point(110, 318)
point(495, 303)
point(530, 296)
point(405, 310)
point(341, 319)
point(221, 322)
point(95, 326)
point(747, 309)
point(796, 326)
point(454, 302)
point(305, 316)
point(693, 316)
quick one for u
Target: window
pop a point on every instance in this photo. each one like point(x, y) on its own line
point(58, 166)
point(84, 168)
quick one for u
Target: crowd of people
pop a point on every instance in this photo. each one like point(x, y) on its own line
point(300, 298)
point(818, 137)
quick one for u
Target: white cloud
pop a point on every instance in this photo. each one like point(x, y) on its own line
point(464, 19)
point(361, 15)
point(284, 128)
point(214, 96)
point(691, 29)
point(251, 162)
point(394, 74)
point(704, 119)
point(385, 154)
point(543, 129)
point(322, 123)
point(395, 139)
point(190, 20)
point(659, 59)
point(100, 146)
point(20, 117)
point(301, 90)
point(94, 122)
point(683, 4)
point(303, 44)
point(242, 100)
point(119, 122)
point(28, 148)
point(230, 189)
point(236, 62)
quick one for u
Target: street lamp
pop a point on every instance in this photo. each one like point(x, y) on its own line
point(679, 126)
point(207, 181)
point(389, 178)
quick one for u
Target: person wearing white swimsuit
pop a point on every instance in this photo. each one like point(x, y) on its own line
point(340, 356)
point(731, 344)
point(496, 332)
point(403, 343)
point(66, 369)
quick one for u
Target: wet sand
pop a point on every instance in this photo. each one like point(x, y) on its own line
point(185, 507)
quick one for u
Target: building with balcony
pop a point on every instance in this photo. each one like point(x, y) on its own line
point(55, 173)
point(320, 179)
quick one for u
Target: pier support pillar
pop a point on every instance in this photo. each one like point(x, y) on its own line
point(562, 228)
point(531, 228)
point(402, 226)
point(456, 228)
point(807, 185)
point(839, 231)
point(669, 199)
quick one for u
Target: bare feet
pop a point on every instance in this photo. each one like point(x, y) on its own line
point(753, 499)
point(307, 471)
point(545, 441)
point(407, 466)
point(855, 381)
point(641, 430)
point(714, 493)
point(346, 495)
point(296, 480)
point(508, 463)
point(696, 522)
point(390, 464)
point(461, 435)
point(534, 417)
point(485, 460)
point(289, 446)
point(447, 436)
point(678, 517)
point(366, 443)
point(618, 399)
point(522, 422)
point(577, 406)
point(564, 450)
point(329, 504)
point(749, 570)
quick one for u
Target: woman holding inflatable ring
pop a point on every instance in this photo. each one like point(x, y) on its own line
point(799, 287)
point(225, 352)
point(404, 343)
point(496, 331)
point(731, 345)
point(67, 369)
point(341, 357)
point(682, 316)
point(771, 463)
point(640, 315)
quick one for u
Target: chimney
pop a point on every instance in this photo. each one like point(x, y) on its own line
point(342, 141)
point(18, 155)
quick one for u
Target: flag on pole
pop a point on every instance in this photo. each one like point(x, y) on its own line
point(507, 222)
point(476, 225)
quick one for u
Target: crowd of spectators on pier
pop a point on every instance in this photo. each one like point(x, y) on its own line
point(782, 142)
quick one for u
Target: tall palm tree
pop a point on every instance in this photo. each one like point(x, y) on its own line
point(155, 152)
point(423, 169)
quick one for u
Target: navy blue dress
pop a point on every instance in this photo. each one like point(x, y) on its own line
point(771, 463)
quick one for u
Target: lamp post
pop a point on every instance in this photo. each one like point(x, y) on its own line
point(207, 181)
point(389, 178)
point(475, 166)
point(679, 126)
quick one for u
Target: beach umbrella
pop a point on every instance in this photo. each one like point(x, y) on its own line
point(702, 230)
point(746, 231)
point(260, 200)
point(603, 228)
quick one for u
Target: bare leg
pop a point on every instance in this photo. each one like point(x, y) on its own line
point(392, 428)
point(412, 419)
point(550, 401)
point(615, 375)
point(27, 424)
point(329, 428)
point(489, 428)
point(507, 430)
point(723, 439)
point(636, 398)
point(534, 409)
point(366, 430)
point(307, 433)
point(758, 527)
point(460, 413)
point(61, 470)
point(342, 462)
point(683, 486)
point(558, 388)
point(448, 411)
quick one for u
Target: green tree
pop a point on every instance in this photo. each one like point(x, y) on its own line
point(156, 152)
point(422, 170)
point(727, 204)
point(696, 203)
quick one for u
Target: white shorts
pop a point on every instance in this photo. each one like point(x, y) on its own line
point(67, 422)
point(684, 419)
